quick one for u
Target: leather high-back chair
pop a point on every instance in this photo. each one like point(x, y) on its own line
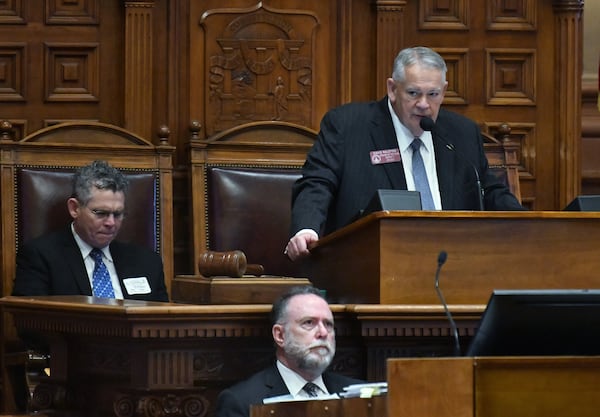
point(241, 182)
point(36, 174)
point(35, 183)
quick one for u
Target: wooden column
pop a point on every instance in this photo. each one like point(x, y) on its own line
point(390, 38)
point(138, 67)
point(568, 53)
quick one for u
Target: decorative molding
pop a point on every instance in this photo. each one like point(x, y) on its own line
point(72, 72)
point(568, 63)
point(72, 12)
point(443, 15)
point(390, 39)
point(12, 71)
point(11, 12)
point(457, 76)
point(139, 74)
point(513, 15)
point(510, 77)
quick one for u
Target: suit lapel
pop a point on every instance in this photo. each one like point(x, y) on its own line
point(76, 264)
point(383, 136)
point(274, 382)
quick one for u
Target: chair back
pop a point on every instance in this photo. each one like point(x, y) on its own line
point(241, 192)
point(36, 181)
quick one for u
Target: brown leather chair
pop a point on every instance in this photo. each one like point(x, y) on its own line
point(35, 182)
point(248, 209)
point(241, 181)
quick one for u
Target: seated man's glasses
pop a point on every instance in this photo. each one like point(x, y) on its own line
point(105, 214)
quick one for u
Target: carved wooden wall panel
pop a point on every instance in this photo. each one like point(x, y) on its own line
point(11, 12)
point(12, 71)
point(72, 12)
point(511, 77)
point(72, 72)
point(256, 61)
point(61, 61)
point(260, 64)
point(166, 62)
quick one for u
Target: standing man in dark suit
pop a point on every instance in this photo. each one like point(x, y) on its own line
point(363, 147)
point(62, 263)
point(303, 331)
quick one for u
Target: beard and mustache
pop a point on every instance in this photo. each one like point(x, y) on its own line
point(314, 358)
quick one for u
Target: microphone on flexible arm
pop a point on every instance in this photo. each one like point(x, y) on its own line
point(441, 260)
point(428, 124)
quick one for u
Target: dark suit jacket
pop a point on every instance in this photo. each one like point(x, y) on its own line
point(236, 400)
point(52, 265)
point(338, 178)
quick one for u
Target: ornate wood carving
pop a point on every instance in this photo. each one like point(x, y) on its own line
point(260, 64)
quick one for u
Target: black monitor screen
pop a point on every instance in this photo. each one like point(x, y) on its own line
point(539, 322)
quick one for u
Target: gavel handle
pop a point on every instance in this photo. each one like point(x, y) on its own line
point(255, 269)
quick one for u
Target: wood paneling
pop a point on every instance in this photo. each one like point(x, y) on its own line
point(140, 64)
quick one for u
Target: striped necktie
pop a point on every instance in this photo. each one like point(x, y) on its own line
point(311, 389)
point(420, 175)
point(101, 284)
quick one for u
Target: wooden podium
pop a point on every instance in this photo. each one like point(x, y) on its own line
point(391, 257)
point(494, 387)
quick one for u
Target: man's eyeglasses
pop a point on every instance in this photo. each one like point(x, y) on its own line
point(105, 214)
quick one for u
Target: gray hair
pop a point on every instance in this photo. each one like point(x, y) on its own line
point(279, 309)
point(100, 175)
point(421, 55)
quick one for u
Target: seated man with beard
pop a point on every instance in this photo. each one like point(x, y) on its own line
point(304, 335)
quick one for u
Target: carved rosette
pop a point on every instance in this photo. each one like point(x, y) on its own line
point(177, 403)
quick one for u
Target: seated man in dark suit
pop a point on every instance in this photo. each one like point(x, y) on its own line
point(84, 258)
point(303, 331)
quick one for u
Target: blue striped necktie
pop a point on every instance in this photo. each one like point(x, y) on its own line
point(420, 175)
point(102, 287)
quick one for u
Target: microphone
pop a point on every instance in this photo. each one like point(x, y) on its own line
point(441, 260)
point(428, 124)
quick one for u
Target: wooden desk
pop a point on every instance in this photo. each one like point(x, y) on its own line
point(494, 387)
point(346, 407)
point(129, 354)
point(391, 257)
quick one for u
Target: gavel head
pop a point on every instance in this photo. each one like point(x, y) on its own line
point(229, 264)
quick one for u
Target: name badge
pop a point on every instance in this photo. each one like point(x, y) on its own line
point(385, 156)
point(137, 285)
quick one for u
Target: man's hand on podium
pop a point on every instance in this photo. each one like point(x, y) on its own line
point(298, 246)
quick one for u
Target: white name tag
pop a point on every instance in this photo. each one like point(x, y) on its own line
point(137, 285)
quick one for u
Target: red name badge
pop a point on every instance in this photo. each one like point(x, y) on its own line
point(385, 156)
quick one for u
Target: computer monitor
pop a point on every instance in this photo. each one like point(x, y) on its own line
point(393, 200)
point(584, 203)
point(539, 322)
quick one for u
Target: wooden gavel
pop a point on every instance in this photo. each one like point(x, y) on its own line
point(230, 264)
